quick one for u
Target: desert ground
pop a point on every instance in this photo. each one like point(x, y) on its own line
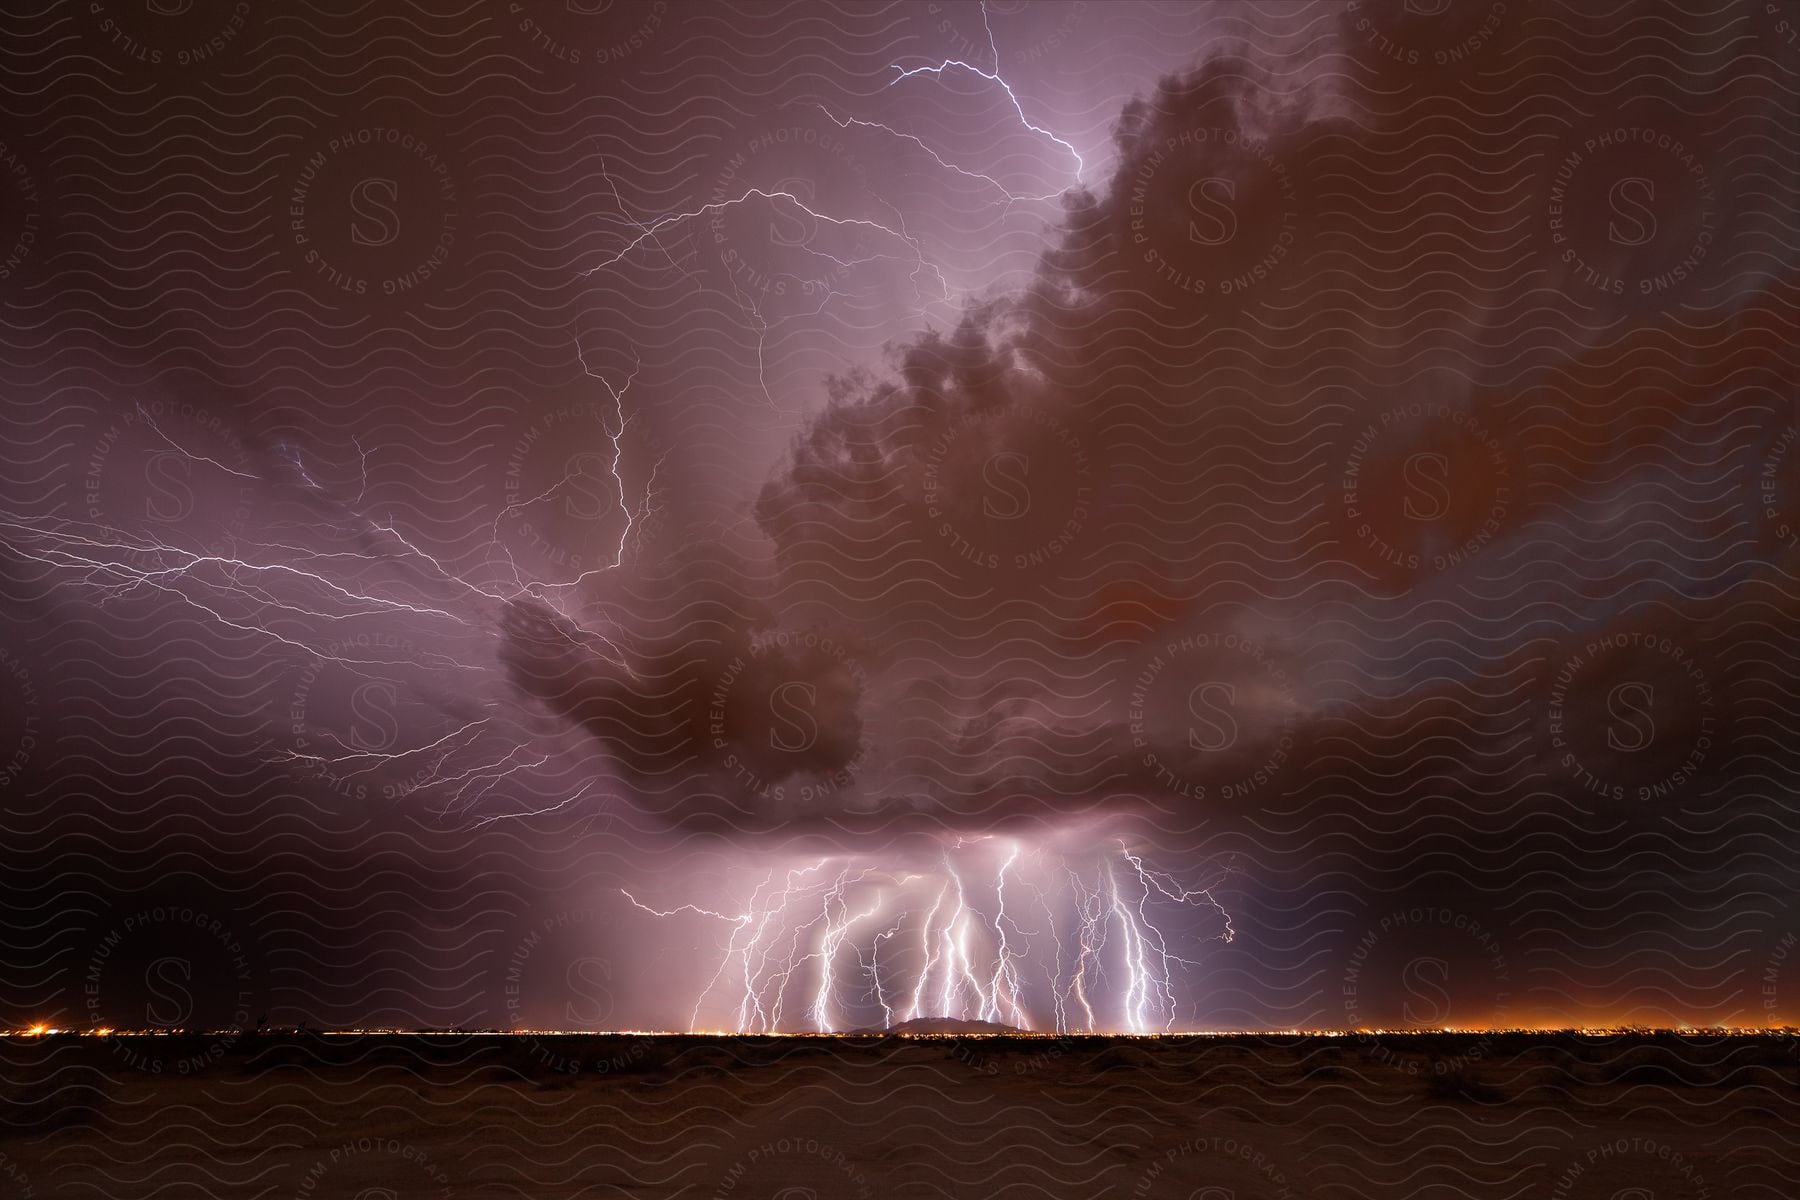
point(380, 1116)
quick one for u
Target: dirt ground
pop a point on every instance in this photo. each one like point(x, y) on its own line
point(1550, 1117)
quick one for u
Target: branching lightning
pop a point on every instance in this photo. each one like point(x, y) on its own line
point(968, 936)
point(648, 233)
point(852, 939)
point(992, 77)
point(315, 601)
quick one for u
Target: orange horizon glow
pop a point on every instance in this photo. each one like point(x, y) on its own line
point(1789, 1030)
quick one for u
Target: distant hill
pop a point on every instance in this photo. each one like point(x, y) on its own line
point(941, 1025)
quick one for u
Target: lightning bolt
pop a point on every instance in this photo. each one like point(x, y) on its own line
point(312, 601)
point(648, 233)
point(992, 77)
point(832, 932)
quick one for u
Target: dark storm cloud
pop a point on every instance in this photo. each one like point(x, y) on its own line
point(1383, 485)
point(1325, 438)
point(1186, 436)
point(720, 720)
point(1205, 295)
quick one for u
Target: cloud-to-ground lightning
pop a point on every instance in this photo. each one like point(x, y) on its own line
point(832, 934)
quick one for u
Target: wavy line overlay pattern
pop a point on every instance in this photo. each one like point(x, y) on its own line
point(1090, 517)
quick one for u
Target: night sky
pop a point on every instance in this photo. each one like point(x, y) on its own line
point(1089, 515)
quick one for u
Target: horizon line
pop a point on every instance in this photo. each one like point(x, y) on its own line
point(43, 1031)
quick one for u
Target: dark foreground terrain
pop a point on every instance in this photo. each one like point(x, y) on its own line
point(389, 1116)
